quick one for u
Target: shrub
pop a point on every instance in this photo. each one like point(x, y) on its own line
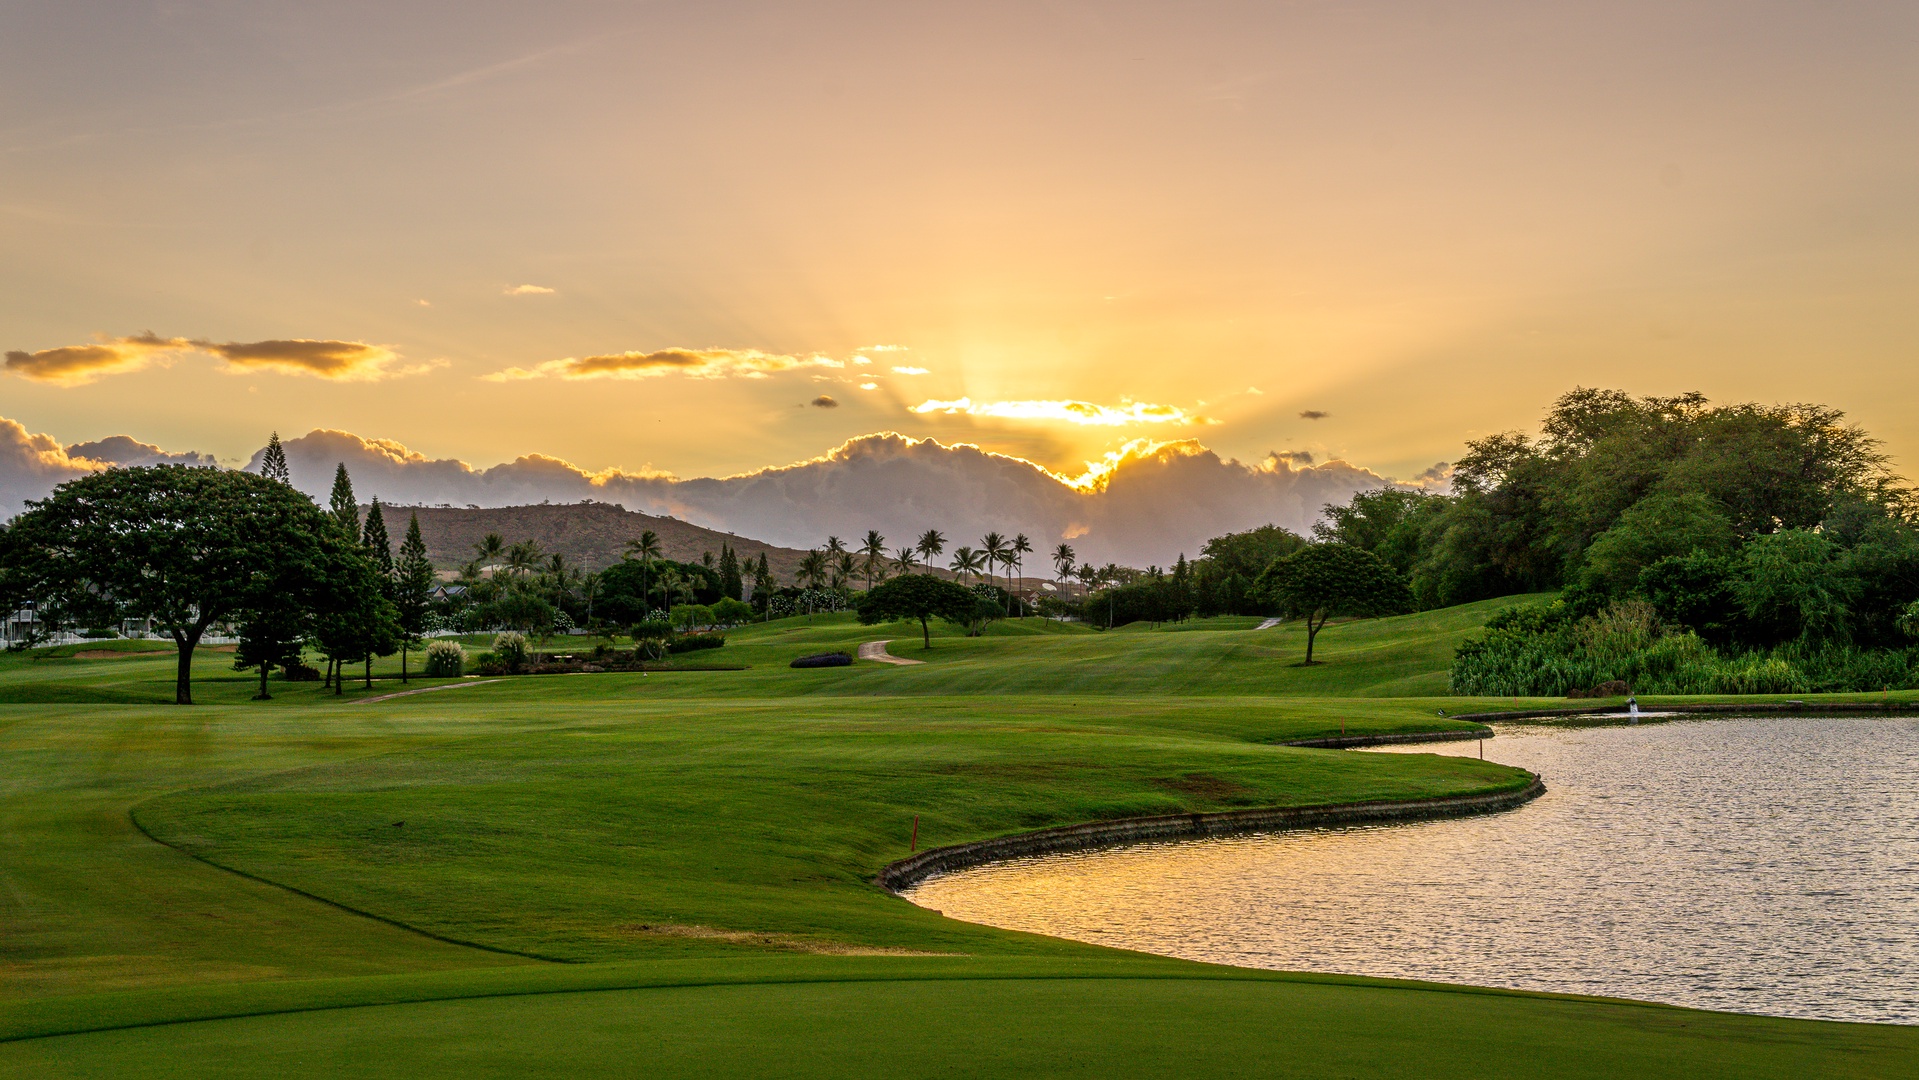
point(445, 660)
point(731, 612)
point(301, 671)
point(695, 642)
point(509, 650)
point(830, 659)
point(97, 634)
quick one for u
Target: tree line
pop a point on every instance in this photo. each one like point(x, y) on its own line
point(192, 548)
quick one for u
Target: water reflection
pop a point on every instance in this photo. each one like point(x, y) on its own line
point(1752, 865)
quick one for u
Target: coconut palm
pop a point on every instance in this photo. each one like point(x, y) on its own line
point(993, 550)
point(1022, 547)
point(813, 569)
point(489, 549)
point(967, 561)
point(847, 569)
point(930, 545)
point(523, 558)
point(874, 549)
point(905, 561)
point(835, 547)
point(1063, 557)
point(645, 549)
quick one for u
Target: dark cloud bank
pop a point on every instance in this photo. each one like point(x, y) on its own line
point(1154, 503)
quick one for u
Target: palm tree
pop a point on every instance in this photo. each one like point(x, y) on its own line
point(875, 551)
point(904, 561)
point(489, 549)
point(994, 550)
point(813, 569)
point(646, 549)
point(930, 545)
point(1022, 547)
point(847, 569)
point(668, 584)
point(523, 558)
point(1063, 557)
point(967, 561)
point(835, 546)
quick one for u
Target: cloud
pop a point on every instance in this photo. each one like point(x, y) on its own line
point(527, 290)
point(31, 465)
point(1072, 412)
point(1437, 480)
point(910, 371)
point(693, 363)
point(869, 386)
point(75, 365)
point(1314, 414)
point(824, 402)
point(1144, 503)
point(339, 360)
point(126, 450)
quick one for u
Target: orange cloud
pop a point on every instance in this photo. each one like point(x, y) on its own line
point(1072, 412)
point(75, 365)
point(693, 363)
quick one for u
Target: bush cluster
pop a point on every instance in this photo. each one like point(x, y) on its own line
point(1547, 651)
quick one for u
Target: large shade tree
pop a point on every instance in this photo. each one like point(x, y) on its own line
point(189, 547)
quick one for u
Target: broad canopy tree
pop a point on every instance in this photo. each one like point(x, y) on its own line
point(918, 596)
point(189, 547)
point(1320, 581)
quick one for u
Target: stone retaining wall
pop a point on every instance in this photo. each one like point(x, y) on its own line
point(1094, 834)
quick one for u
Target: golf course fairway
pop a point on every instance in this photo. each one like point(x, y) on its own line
point(670, 873)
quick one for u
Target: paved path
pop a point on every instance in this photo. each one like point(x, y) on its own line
point(1269, 624)
point(422, 690)
point(876, 650)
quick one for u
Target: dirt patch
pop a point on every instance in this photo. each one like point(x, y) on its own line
point(785, 942)
point(1204, 785)
point(118, 654)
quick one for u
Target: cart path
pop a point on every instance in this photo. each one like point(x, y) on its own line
point(422, 690)
point(876, 650)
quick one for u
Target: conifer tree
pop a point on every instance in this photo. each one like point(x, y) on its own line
point(379, 547)
point(273, 464)
point(412, 589)
point(731, 583)
point(346, 509)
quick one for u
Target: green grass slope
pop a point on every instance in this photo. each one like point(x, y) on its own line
point(381, 887)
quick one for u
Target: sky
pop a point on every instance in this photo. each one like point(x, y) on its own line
point(705, 240)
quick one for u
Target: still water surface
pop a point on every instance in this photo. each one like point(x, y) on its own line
point(1766, 866)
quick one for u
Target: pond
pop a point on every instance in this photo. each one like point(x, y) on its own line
point(1767, 866)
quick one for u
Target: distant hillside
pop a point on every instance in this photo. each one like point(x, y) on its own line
point(592, 535)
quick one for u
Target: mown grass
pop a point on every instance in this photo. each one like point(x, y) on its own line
point(691, 842)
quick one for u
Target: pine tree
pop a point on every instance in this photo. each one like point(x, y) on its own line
point(763, 586)
point(273, 463)
point(379, 547)
point(412, 589)
point(731, 583)
point(346, 509)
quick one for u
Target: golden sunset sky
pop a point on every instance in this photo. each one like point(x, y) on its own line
point(651, 235)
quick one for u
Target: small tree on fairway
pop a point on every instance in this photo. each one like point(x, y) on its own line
point(1320, 581)
point(918, 596)
point(412, 589)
